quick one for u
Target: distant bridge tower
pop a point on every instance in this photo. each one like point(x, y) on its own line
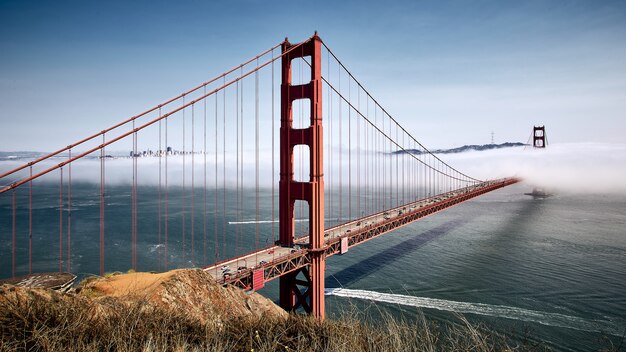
point(310, 294)
point(539, 137)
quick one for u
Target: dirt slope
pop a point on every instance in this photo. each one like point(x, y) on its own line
point(190, 290)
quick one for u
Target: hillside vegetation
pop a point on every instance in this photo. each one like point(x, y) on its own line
point(184, 310)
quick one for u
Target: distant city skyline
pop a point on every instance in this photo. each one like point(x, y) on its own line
point(450, 72)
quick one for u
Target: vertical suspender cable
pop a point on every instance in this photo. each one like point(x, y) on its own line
point(216, 205)
point(184, 197)
point(273, 157)
point(204, 188)
point(102, 176)
point(397, 169)
point(13, 244)
point(404, 186)
point(193, 184)
point(133, 210)
point(389, 157)
point(349, 152)
point(388, 168)
point(256, 151)
point(376, 167)
point(237, 212)
point(383, 156)
point(340, 149)
point(368, 181)
point(301, 102)
point(224, 171)
point(358, 155)
point(167, 200)
point(60, 220)
point(241, 140)
point(30, 222)
point(330, 204)
point(159, 217)
point(69, 211)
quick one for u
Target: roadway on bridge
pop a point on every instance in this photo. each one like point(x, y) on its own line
point(242, 266)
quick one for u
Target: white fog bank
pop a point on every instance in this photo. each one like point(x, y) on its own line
point(572, 167)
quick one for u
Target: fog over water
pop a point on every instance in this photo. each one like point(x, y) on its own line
point(567, 167)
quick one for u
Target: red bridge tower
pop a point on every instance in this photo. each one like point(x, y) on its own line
point(311, 296)
point(539, 137)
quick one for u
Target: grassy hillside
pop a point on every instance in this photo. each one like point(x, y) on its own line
point(171, 317)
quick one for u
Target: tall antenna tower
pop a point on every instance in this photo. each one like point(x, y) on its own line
point(492, 133)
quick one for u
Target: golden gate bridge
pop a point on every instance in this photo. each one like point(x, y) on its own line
point(292, 116)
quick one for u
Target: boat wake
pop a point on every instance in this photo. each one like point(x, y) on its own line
point(499, 311)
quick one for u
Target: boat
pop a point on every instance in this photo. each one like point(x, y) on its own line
point(539, 193)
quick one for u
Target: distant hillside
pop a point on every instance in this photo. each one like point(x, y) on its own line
point(465, 148)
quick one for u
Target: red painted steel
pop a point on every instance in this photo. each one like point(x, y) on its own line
point(258, 280)
point(344, 245)
point(312, 191)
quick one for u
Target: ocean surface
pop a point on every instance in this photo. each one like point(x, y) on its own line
point(551, 270)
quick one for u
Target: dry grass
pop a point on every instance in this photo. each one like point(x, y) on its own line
point(35, 324)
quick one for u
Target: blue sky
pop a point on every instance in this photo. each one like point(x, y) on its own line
point(450, 71)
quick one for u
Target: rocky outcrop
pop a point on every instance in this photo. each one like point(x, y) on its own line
point(192, 291)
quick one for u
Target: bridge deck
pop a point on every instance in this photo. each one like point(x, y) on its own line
point(278, 260)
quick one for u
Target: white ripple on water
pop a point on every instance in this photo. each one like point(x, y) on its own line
point(153, 248)
point(499, 311)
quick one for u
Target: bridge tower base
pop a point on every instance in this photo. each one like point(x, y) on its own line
point(306, 292)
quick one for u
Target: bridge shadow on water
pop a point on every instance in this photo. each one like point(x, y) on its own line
point(503, 246)
point(368, 265)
